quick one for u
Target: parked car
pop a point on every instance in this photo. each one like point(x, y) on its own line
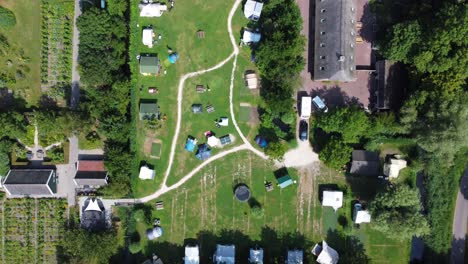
point(303, 130)
point(319, 104)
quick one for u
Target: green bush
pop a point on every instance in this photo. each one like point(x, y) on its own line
point(7, 18)
point(139, 215)
point(257, 212)
point(336, 153)
point(134, 247)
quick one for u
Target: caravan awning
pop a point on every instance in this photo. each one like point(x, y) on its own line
point(148, 37)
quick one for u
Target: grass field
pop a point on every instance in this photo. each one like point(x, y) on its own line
point(31, 230)
point(195, 54)
point(24, 54)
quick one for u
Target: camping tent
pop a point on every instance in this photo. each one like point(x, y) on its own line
point(224, 121)
point(173, 57)
point(251, 37)
point(253, 10)
point(146, 173)
point(333, 199)
point(213, 141)
point(261, 141)
point(256, 256)
point(93, 206)
point(192, 255)
point(149, 65)
point(203, 152)
point(295, 257)
point(225, 254)
point(152, 9)
point(154, 233)
point(360, 215)
point(148, 37)
point(251, 80)
point(285, 181)
point(190, 144)
point(393, 166)
point(328, 255)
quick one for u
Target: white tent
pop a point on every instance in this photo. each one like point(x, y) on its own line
point(213, 141)
point(251, 37)
point(333, 199)
point(251, 80)
point(362, 216)
point(328, 255)
point(253, 10)
point(146, 173)
point(148, 37)
point(93, 206)
point(191, 255)
point(256, 256)
point(154, 233)
point(224, 121)
point(152, 9)
point(393, 167)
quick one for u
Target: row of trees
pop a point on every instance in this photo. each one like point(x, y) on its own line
point(279, 59)
point(103, 68)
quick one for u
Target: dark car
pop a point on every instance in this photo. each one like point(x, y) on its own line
point(303, 130)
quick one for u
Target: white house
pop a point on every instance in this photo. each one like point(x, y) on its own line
point(192, 255)
point(253, 10)
point(333, 199)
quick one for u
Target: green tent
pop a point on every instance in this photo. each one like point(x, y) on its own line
point(149, 65)
point(149, 111)
point(285, 181)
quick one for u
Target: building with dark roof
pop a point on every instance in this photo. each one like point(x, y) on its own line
point(365, 163)
point(31, 182)
point(90, 174)
point(389, 84)
point(335, 40)
point(93, 215)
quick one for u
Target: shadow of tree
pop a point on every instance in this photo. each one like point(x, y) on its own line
point(349, 248)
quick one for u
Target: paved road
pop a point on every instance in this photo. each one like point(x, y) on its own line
point(66, 173)
point(75, 94)
point(460, 221)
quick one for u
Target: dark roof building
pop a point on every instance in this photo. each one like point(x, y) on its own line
point(335, 40)
point(93, 215)
point(365, 163)
point(389, 84)
point(35, 182)
point(90, 173)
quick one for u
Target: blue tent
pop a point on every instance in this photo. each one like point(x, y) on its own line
point(261, 142)
point(203, 152)
point(190, 144)
point(173, 57)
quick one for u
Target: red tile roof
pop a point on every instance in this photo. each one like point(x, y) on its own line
point(91, 165)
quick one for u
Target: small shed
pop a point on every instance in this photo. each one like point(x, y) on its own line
point(256, 256)
point(154, 233)
point(253, 10)
point(149, 110)
point(203, 152)
point(197, 108)
point(225, 254)
point(146, 173)
point(360, 215)
point(147, 39)
point(242, 193)
point(225, 140)
point(393, 166)
point(327, 255)
point(285, 181)
point(295, 257)
point(333, 199)
point(149, 65)
point(192, 255)
point(250, 37)
point(365, 163)
point(190, 144)
point(251, 80)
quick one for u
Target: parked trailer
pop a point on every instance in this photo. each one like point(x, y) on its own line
point(306, 105)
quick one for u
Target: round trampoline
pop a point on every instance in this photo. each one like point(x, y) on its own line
point(242, 193)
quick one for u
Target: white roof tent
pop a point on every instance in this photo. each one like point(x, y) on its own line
point(93, 206)
point(360, 215)
point(192, 255)
point(251, 80)
point(251, 37)
point(148, 37)
point(253, 10)
point(393, 166)
point(213, 141)
point(333, 199)
point(152, 9)
point(146, 173)
point(328, 255)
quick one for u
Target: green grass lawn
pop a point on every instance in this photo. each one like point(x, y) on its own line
point(156, 149)
point(25, 49)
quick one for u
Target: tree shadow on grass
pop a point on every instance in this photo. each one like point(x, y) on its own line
point(349, 248)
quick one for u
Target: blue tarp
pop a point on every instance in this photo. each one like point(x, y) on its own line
point(190, 145)
point(261, 142)
point(203, 152)
point(173, 57)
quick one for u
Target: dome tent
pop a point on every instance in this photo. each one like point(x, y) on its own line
point(154, 233)
point(173, 57)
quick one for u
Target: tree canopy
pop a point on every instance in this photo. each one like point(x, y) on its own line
point(336, 153)
point(7, 18)
point(397, 213)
